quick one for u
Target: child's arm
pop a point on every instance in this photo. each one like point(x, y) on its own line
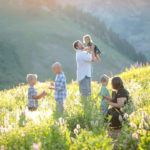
point(106, 97)
point(86, 48)
point(39, 96)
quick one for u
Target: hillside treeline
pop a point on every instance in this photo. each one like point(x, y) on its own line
point(99, 29)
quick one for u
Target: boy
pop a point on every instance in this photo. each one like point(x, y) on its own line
point(59, 87)
point(104, 91)
point(32, 93)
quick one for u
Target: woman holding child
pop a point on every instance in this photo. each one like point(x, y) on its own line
point(119, 98)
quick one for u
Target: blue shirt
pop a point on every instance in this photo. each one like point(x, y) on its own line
point(60, 87)
point(33, 103)
point(104, 91)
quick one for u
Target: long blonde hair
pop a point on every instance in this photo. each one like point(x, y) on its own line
point(87, 37)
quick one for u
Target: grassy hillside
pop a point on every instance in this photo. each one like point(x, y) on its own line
point(20, 129)
point(38, 38)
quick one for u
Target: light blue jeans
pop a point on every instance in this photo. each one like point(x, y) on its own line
point(85, 86)
point(60, 105)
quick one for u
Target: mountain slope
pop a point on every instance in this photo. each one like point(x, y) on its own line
point(129, 18)
point(40, 38)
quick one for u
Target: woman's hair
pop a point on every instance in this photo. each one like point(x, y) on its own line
point(117, 83)
point(87, 37)
point(30, 77)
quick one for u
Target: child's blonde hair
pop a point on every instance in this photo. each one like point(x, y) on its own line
point(30, 77)
point(87, 37)
point(104, 78)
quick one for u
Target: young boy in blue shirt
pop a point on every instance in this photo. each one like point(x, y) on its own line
point(104, 91)
point(59, 87)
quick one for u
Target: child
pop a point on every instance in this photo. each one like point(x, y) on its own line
point(32, 93)
point(59, 87)
point(104, 91)
point(91, 46)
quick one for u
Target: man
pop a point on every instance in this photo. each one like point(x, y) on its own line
point(84, 69)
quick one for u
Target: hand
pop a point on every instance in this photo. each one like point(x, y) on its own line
point(104, 96)
point(52, 84)
point(44, 93)
point(106, 101)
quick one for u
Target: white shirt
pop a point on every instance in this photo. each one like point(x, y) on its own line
point(83, 64)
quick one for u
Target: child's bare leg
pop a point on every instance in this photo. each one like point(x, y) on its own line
point(98, 58)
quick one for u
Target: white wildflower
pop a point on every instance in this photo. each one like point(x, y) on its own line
point(2, 147)
point(126, 116)
point(76, 131)
point(23, 134)
point(133, 125)
point(61, 121)
point(96, 123)
point(121, 109)
point(35, 146)
point(78, 126)
point(135, 136)
point(120, 117)
point(146, 125)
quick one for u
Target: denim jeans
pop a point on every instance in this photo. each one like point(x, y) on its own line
point(85, 86)
point(104, 110)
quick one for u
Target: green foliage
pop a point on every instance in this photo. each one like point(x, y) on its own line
point(79, 127)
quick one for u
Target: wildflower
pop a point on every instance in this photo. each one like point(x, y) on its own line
point(23, 123)
point(61, 121)
point(35, 146)
point(92, 123)
point(133, 125)
point(125, 141)
point(78, 126)
point(23, 134)
point(141, 126)
point(135, 136)
point(144, 132)
point(146, 125)
point(76, 131)
point(13, 125)
point(128, 136)
point(96, 123)
point(120, 117)
point(2, 147)
point(126, 115)
point(72, 139)
point(121, 109)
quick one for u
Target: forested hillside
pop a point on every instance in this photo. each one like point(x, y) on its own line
point(129, 18)
point(34, 36)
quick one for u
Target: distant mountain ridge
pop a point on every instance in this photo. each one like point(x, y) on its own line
point(129, 18)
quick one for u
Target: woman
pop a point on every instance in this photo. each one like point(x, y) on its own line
point(120, 97)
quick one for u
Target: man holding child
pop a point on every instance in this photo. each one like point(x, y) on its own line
point(84, 69)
